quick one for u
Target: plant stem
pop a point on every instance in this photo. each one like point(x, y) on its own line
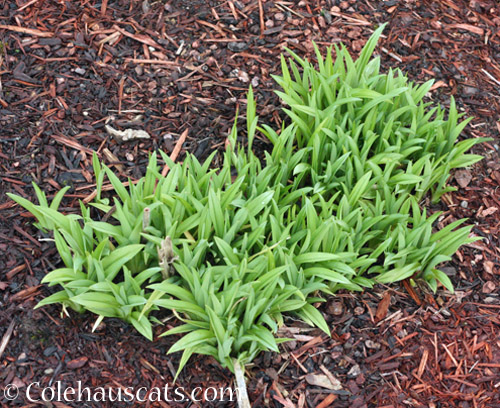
point(243, 401)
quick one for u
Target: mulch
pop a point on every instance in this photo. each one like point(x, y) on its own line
point(68, 69)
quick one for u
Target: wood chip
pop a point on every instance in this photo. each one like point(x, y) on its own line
point(468, 27)
point(77, 363)
point(30, 31)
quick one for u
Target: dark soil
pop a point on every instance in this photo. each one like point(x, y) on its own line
point(69, 68)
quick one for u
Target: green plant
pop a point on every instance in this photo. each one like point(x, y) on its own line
point(334, 205)
point(368, 145)
point(370, 122)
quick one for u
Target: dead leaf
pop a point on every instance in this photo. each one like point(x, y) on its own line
point(489, 287)
point(488, 211)
point(383, 306)
point(243, 76)
point(302, 337)
point(336, 383)
point(127, 134)
point(321, 380)
point(438, 84)
point(463, 177)
point(488, 267)
point(18, 383)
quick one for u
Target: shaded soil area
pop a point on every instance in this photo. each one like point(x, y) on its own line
point(68, 69)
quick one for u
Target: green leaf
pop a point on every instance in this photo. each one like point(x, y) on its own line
point(313, 317)
point(398, 274)
point(56, 201)
point(444, 279)
point(227, 251)
point(316, 257)
point(98, 303)
point(181, 306)
point(63, 275)
point(264, 337)
point(216, 325)
point(58, 297)
point(142, 325)
point(174, 290)
point(326, 274)
point(193, 339)
point(117, 185)
point(119, 257)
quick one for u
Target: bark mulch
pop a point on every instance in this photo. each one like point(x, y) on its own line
point(68, 69)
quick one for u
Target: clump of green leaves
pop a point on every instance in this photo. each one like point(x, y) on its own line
point(334, 205)
point(370, 146)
